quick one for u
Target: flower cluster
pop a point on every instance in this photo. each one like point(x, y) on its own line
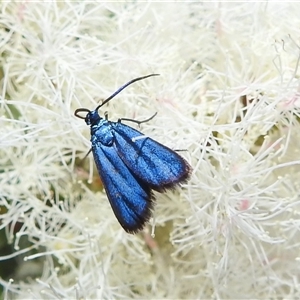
point(228, 94)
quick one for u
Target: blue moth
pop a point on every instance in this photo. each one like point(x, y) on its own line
point(131, 165)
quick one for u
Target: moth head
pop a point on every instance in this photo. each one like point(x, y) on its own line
point(92, 116)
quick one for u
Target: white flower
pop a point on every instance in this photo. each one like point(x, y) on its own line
point(228, 94)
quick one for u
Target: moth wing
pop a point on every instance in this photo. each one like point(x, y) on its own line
point(130, 199)
point(152, 162)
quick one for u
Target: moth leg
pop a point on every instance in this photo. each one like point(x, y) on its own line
point(87, 154)
point(83, 159)
point(136, 121)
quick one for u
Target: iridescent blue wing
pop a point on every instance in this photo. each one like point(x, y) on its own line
point(157, 165)
point(130, 198)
